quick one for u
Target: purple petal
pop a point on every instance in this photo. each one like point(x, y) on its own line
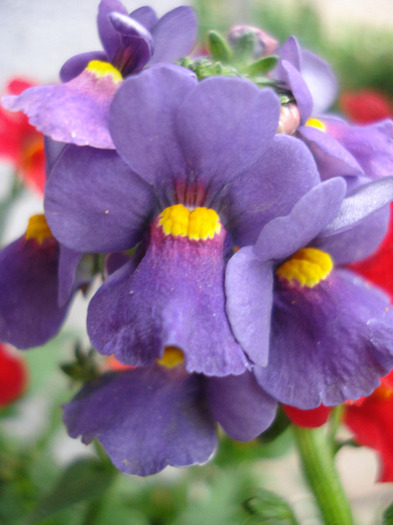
point(53, 150)
point(175, 297)
point(240, 405)
point(94, 203)
point(76, 64)
point(294, 79)
point(224, 126)
point(365, 201)
point(136, 44)
point(146, 419)
point(29, 312)
point(75, 112)
point(283, 236)
point(174, 35)
point(110, 39)
point(147, 140)
point(146, 16)
point(68, 264)
point(249, 292)
point(371, 146)
point(291, 52)
point(357, 243)
point(332, 158)
point(329, 343)
point(256, 196)
point(320, 81)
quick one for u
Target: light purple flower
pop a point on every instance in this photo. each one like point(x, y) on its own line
point(205, 151)
point(325, 335)
point(76, 111)
point(149, 418)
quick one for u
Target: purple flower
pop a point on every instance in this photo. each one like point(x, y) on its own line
point(38, 278)
point(200, 170)
point(77, 111)
point(326, 335)
point(149, 418)
point(340, 149)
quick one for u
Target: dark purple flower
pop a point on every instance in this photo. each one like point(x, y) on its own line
point(38, 278)
point(329, 337)
point(77, 111)
point(211, 173)
point(149, 418)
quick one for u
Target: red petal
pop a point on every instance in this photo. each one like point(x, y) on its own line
point(313, 418)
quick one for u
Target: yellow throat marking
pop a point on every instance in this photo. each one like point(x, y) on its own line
point(104, 69)
point(316, 123)
point(308, 267)
point(38, 229)
point(172, 357)
point(198, 224)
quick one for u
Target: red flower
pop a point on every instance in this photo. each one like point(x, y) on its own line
point(313, 418)
point(371, 421)
point(13, 377)
point(21, 143)
point(366, 106)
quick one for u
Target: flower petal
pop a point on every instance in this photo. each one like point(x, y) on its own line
point(219, 129)
point(29, 312)
point(109, 37)
point(283, 236)
point(329, 343)
point(256, 196)
point(75, 65)
point(75, 112)
point(94, 203)
point(249, 292)
point(147, 140)
point(240, 405)
point(174, 35)
point(146, 419)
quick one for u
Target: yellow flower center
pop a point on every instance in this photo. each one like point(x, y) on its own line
point(198, 224)
point(316, 123)
point(38, 229)
point(104, 69)
point(308, 267)
point(172, 357)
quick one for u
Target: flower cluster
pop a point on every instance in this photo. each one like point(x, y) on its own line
point(227, 203)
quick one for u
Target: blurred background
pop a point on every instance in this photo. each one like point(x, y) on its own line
point(36, 37)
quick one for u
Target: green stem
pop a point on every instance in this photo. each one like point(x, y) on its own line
point(318, 467)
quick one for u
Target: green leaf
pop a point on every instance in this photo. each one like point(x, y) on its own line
point(262, 66)
point(388, 515)
point(219, 48)
point(83, 480)
point(268, 508)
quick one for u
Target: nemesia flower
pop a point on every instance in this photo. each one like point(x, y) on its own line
point(329, 338)
point(37, 279)
point(148, 418)
point(13, 377)
point(76, 111)
point(204, 171)
point(340, 149)
point(21, 143)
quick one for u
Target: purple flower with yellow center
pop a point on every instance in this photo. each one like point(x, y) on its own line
point(203, 172)
point(38, 278)
point(76, 111)
point(149, 418)
point(325, 335)
point(340, 149)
